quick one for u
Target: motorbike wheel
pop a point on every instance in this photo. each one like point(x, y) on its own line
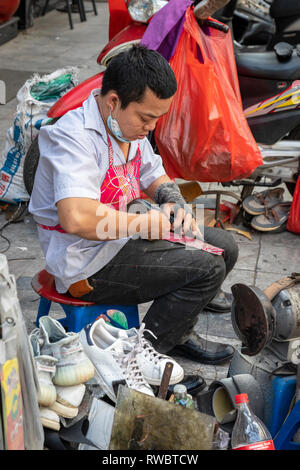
point(30, 165)
point(31, 162)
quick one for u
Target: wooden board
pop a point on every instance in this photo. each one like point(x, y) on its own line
point(142, 422)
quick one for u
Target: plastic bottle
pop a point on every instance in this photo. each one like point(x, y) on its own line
point(181, 397)
point(249, 432)
point(221, 439)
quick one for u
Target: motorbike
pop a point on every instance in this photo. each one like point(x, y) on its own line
point(270, 90)
point(261, 24)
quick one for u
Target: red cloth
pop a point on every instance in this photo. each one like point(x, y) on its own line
point(293, 224)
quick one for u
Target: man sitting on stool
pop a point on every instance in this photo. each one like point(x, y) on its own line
point(93, 159)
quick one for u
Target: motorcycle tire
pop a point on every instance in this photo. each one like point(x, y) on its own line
point(31, 162)
point(30, 165)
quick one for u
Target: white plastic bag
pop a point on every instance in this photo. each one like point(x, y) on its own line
point(142, 10)
point(34, 99)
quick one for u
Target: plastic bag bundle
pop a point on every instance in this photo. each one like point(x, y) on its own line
point(34, 99)
point(205, 135)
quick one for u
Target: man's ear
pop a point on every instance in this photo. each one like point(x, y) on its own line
point(112, 100)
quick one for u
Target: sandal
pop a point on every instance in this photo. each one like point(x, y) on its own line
point(257, 203)
point(274, 219)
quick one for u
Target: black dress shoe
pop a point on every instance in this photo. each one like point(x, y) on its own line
point(194, 384)
point(214, 353)
point(221, 303)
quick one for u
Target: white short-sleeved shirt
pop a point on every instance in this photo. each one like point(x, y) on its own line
point(73, 163)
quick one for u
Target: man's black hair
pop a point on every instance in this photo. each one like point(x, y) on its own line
point(132, 71)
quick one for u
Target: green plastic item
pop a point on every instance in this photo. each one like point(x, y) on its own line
point(119, 317)
point(53, 90)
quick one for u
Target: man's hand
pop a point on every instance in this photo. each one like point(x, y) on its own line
point(154, 225)
point(184, 224)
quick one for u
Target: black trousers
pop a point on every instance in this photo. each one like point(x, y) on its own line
point(180, 281)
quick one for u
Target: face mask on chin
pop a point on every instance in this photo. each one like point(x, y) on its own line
point(115, 129)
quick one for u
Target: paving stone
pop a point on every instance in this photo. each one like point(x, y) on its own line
point(279, 259)
point(286, 238)
point(264, 279)
point(238, 275)
point(247, 259)
point(217, 324)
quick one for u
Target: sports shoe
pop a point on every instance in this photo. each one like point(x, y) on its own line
point(115, 363)
point(151, 363)
point(73, 366)
point(45, 368)
point(68, 400)
point(49, 418)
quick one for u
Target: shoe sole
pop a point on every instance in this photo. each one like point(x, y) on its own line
point(64, 411)
point(251, 212)
point(47, 423)
point(259, 212)
point(281, 228)
point(216, 310)
point(208, 362)
point(46, 396)
point(73, 375)
point(173, 381)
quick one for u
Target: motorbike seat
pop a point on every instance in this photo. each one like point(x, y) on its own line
point(267, 65)
point(280, 9)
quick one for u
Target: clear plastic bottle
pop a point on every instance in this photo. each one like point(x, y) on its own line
point(181, 397)
point(249, 432)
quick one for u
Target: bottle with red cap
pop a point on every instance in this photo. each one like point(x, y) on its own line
point(249, 432)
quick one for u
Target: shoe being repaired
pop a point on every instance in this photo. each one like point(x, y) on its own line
point(93, 162)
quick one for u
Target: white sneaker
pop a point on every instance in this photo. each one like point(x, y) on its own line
point(49, 418)
point(115, 363)
point(73, 366)
point(45, 368)
point(152, 363)
point(68, 400)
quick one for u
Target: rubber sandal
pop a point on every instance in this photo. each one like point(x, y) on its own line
point(274, 220)
point(257, 203)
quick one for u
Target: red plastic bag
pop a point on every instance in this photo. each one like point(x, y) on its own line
point(293, 224)
point(205, 135)
point(119, 17)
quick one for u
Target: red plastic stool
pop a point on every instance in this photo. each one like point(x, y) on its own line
point(78, 313)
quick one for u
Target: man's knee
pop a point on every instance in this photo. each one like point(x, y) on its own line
point(223, 239)
point(218, 271)
point(231, 249)
point(211, 269)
